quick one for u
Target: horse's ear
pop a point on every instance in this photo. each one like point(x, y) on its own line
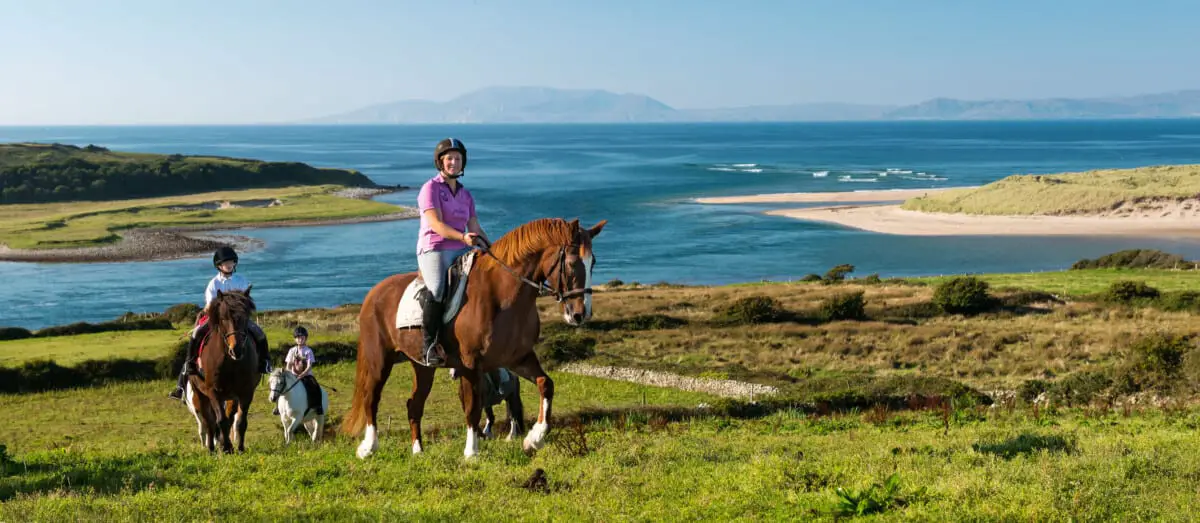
point(574, 224)
point(248, 287)
point(220, 293)
point(595, 229)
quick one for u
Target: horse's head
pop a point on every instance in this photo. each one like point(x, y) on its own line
point(568, 269)
point(278, 383)
point(229, 313)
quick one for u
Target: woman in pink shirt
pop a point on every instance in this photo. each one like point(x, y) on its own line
point(449, 227)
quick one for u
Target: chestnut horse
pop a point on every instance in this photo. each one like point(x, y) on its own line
point(229, 360)
point(497, 327)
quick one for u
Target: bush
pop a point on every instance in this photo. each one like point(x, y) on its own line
point(158, 323)
point(1180, 301)
point(811, 277)
point(1127, 292)
point(750, 310)
point(848, 306)
point(963, 295)
point(14, 333)
point(872, 279)
point(1154, 362)
point(183, 313)
point(1027, 298)
point(838, 274)
point(44, 375)
point(1136, 259)
point(565, 347)
point(918, 310)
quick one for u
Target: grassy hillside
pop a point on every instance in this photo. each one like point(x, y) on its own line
point(1069, 193)
point(33, 173)
point(78, 224)
point(627, 451)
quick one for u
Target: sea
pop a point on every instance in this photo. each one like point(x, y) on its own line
point(642, 178)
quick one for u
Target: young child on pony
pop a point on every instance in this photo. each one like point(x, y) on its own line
point(225, 260)
point(300, 360)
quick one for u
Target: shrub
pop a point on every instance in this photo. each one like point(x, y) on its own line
point(1126, 291)
point(1136, 259)
point(1179, 301)
point(963, 295)
point(811, 277)
point(184, 313)
point(157, 323)
point(848, 306)
point(872, 279)
point(14, 333)
point(750, 310)
point(838, 273)
point(1154, 362)
point(565, 347)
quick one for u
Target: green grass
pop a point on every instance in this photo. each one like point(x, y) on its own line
point(125, 453)
point(1088, 281)
point(80, 224)
point(1068, 193)
point(69, 350)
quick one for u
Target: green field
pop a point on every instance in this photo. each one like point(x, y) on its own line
point(126, 453)
point(81, 224)
point(1084, 450)
point(69, 350)
point(1068, 193)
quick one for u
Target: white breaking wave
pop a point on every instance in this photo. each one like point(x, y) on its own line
point(820, 174)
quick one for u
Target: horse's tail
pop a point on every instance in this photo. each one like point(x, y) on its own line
point(369, 377)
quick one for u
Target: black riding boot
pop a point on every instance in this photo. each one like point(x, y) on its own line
point(264, 358)
point(188, 367)
point(432, 311)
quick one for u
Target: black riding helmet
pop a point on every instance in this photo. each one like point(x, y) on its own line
point(445, 146)
point(300, 331)
point(224, 254)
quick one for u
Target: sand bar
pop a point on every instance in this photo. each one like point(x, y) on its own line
point(891, 219)
point(895, 195)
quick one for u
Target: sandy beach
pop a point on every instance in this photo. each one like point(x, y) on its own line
point(173, 243)
point(1181, 221)
point(897, 195)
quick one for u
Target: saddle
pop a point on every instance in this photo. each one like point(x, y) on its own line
point(408, 313)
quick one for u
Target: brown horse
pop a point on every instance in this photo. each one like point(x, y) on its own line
point(221, 399)
point(497, 327)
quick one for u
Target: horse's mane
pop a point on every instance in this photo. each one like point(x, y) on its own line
point(531, 238)
point(237, 303)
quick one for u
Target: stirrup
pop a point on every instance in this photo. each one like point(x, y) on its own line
point(429, 358)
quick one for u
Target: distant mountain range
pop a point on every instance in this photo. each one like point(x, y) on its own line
point(550, 105)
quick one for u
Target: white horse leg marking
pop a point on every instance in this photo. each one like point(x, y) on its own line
point(369, 443)
point(512, 431)
point(536, 437)
point(472, 447)
point(417, 447)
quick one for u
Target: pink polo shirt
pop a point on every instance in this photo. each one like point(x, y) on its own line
point(457, 209)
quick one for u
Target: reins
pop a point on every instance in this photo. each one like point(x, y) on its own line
point(543, 289)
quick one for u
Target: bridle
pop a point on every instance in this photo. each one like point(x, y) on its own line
point(560, 295)
point(285, 390)
point(230, 341)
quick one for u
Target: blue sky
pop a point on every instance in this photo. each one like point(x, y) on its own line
point(137, 61)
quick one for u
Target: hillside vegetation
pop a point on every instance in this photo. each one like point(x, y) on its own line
point(879, 414)
point(1113, 192)
point(35, 173)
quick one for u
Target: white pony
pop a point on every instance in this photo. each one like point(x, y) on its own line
point(292, 398)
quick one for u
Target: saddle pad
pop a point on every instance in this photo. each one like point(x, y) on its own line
point(408, 313)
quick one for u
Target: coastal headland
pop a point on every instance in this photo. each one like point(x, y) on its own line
point(69, 204)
